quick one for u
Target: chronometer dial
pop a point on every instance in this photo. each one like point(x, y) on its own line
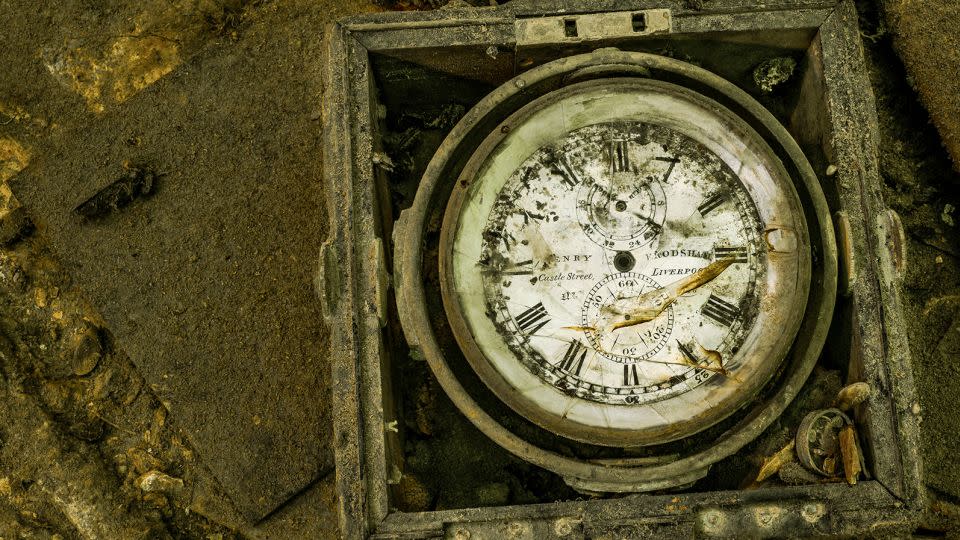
point(609, 270)
point(601, 329)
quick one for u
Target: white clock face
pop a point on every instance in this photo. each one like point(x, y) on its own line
point(619, 260)
point(586, 228)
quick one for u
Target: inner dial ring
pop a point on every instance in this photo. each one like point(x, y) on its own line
point(626, 346)
point(624, 207)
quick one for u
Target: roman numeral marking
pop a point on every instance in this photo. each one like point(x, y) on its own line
point(619, 156)
point(521, 268)
point(673, 163)
point(712, 202)
point(492, 236)
point(630, 376)
point(528, 176)
point(573, 358)
point(738, 253)
point(533, 319)
point(688, 353)
point(720, 310)
point(527, 216)
point(568, 176)
point(675, 380)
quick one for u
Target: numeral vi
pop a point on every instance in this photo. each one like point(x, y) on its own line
point(630, 376)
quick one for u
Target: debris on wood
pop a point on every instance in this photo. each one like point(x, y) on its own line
point(852, 395)
point(827, 439)
point(830, 466)
point(772, 465)
point(850, 451)
point(773, 72)
point(818, 445)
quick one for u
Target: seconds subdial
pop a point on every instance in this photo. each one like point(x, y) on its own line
point(599, 322)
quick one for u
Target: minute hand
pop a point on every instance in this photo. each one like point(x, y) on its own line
point(647, 306)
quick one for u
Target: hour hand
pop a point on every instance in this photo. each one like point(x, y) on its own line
point(651, 223)
point(647, 306)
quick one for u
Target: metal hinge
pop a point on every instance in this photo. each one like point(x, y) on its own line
point(327, 280)
point(592, 27)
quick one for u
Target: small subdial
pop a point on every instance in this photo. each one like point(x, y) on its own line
point(622, 213)
point(633, 343)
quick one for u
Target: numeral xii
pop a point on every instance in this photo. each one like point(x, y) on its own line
point(619, 156)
